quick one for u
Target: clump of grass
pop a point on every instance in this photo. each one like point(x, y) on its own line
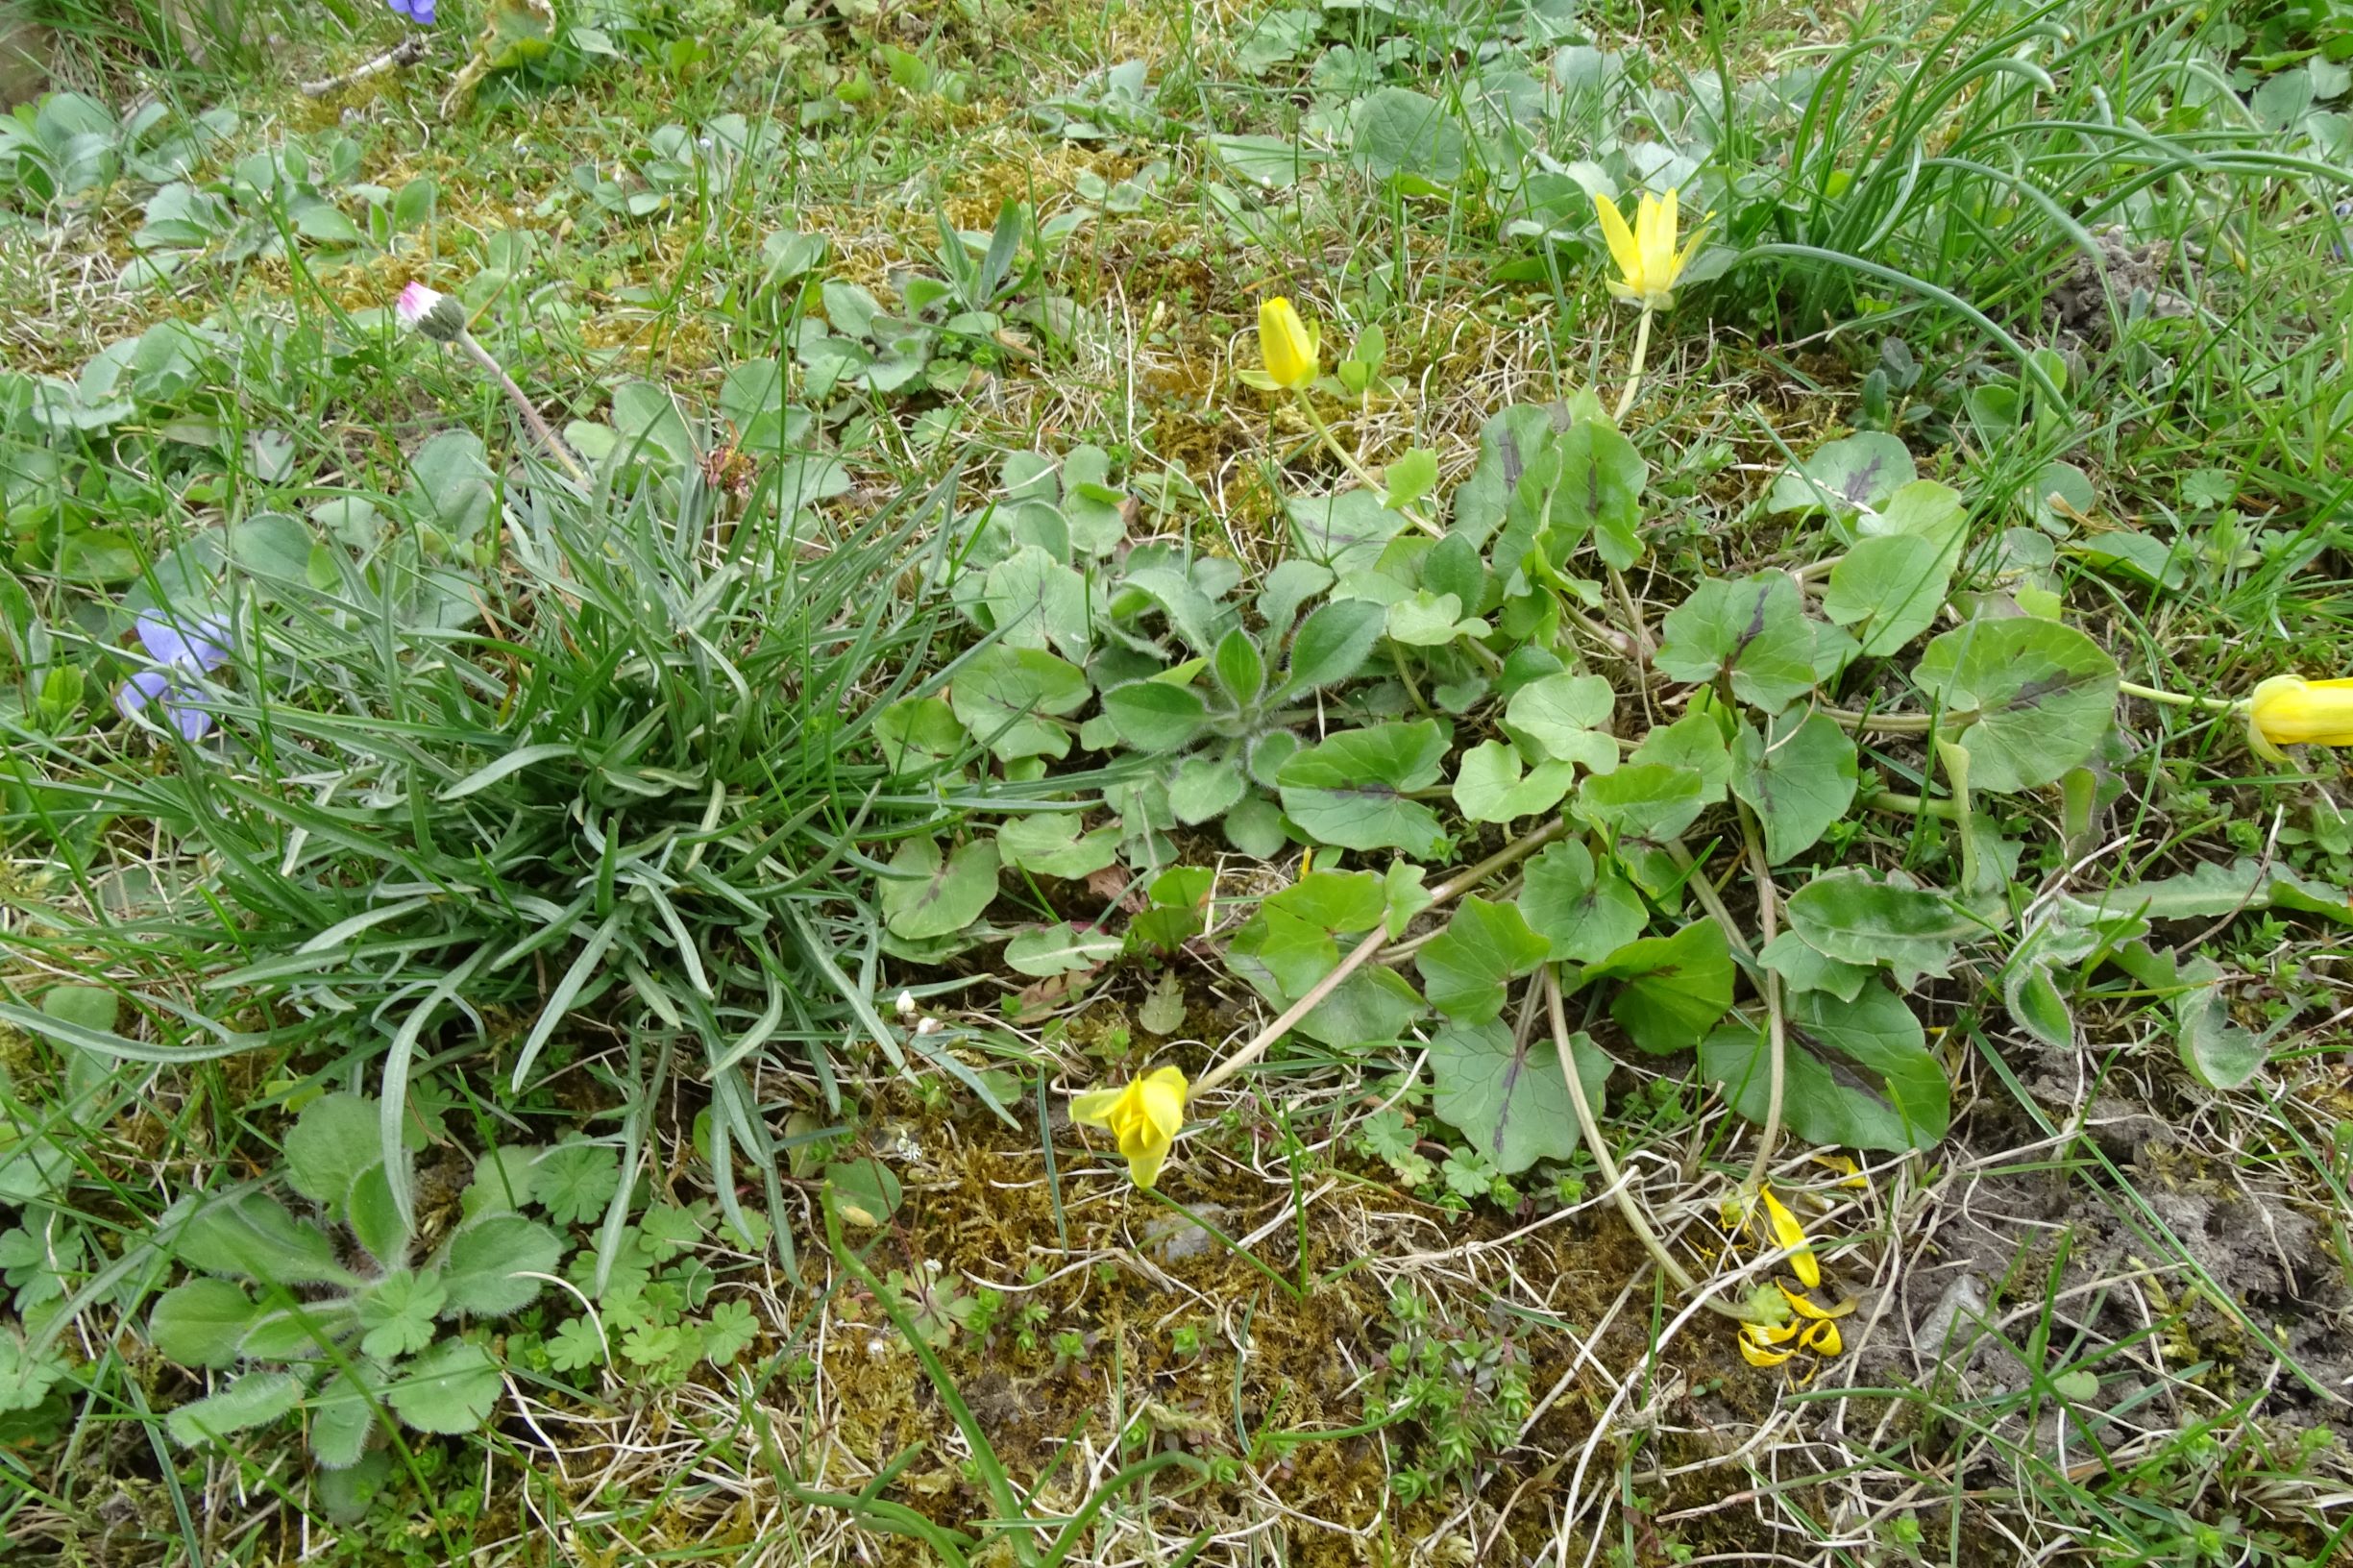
point(451, 815)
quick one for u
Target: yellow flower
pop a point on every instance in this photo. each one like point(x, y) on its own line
point(1287, 345)
point(2289, 710)
point(1648, 261)
point(1790, 1235)
point(1145, 1117)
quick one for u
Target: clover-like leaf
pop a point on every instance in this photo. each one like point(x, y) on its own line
point(1888, 589)
point(1560, 717)
point(1672, 989)
point(1856, 1073)
point(1490, 788)
point(575, 1180)
point(1352, 790)
point(1798, 781)
point(918, 734)
point(1857, 471)
point(1508, 1096)
point(1652, 800)
point(1602, 477)
point(1802, 967)
point(1334, 901)
point(1423, 619)
point(930, 895)
point(1058, 950)
point(1009, 696)
point(397, 1313)
point(1467, 967)
point(1587, 913)
point(1036, 601)
point(1345, 532)
point(1696, 741)
point(1051, 843)
point(1754, 628)
point(2030, 697)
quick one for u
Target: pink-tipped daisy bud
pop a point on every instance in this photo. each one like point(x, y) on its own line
point(427, 311)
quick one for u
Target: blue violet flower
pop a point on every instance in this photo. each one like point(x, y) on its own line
point(196, 648)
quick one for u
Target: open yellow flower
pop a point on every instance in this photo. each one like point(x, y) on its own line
point(1648, 261)
point(1287, 345)
point(2289, 710)
point(1144, 1117)
point(1790, 1235)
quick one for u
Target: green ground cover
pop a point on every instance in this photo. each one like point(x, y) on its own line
point(1072, 785)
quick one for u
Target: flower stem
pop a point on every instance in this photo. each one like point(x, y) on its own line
point(1628, 1210)
point(1633, 372)
point(1348, 459)
point(548, 438)
point(1518, 849)
point(2178, 699)
point(1777, 1029)
point(1920, 724)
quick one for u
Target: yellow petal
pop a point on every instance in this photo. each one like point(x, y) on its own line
point(1805, 1307)
point(1286, 345)
point(1093, 1108)
point(1844, 1166)
point(1161, 1094)
point(1823, 1340)
point(1658, 243)
point(1790, 1235)
point(1682, 258)
point(1623, 249)
point(1761, 1355)
point(1144, 1162)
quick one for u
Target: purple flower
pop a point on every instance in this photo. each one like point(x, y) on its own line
point(195, 648)
point(419, 12)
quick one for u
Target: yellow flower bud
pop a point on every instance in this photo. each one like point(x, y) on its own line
point(2289, 710)
point(1287, 345)
point(1144, 1117)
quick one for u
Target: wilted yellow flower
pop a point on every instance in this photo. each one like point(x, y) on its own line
point(2289, 710)
point(1287, 345)
point(1810, 1327)
point(1789, 1235)
point(1648, 261)
point(1760, 1343)
point(1145, 1117)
